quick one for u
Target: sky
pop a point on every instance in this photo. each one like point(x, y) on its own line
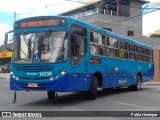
point(28, 8)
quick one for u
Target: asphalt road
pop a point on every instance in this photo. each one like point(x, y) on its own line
point(148, 99)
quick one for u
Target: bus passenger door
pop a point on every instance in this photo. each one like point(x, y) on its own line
point(78, 43)
point(78, 47)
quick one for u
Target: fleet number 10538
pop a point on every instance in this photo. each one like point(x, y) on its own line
point(45, 74)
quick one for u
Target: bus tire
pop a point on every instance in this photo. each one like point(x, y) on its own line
point(92, 93)
point(137, 86)
point(51, 95)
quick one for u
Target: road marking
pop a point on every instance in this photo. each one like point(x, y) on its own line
point(133, 105)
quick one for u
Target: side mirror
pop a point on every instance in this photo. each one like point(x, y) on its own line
point(6, 40)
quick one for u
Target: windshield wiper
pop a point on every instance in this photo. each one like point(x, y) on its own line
point(47, 34)
point(24, 38)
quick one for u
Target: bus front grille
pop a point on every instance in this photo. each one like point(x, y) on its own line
point(33, 68)
point(40, 78)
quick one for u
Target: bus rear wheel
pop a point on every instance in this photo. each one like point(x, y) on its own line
point(51, 95)
point(92, 93)
point(137, 86)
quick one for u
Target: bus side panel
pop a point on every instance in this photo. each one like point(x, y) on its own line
point(148, 75)
point(79, 82)
point(122, 79)
point(124, 76)
point(131, 79)
point(109, 81)
point(118, 80)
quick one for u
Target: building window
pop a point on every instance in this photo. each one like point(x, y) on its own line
point(130, 33)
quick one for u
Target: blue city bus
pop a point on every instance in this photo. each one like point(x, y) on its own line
point(62, 54)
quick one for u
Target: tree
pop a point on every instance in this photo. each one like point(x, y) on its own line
point(155, 35)
point(157, 31)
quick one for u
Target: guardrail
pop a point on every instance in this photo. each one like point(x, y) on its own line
point(93, 11)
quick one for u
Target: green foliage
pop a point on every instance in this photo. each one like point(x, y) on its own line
point(155, 35)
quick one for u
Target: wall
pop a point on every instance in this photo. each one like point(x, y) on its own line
point(157, 65)
point(126, 24)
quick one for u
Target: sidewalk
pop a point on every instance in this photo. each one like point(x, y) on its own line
point(152, 83)
point(4, 75)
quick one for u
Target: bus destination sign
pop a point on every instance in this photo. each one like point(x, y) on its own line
point(41, 23)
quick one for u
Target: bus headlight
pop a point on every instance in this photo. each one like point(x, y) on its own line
point(63, 73)
point(17, 78)
point(51, 78)
point(11, 73)
point(14, 76)
point(57, 76)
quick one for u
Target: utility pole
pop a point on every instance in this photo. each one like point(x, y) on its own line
point(117, 7)
point(14, 19)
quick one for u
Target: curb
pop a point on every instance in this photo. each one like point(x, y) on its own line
point(4, 77)
point(152, 83)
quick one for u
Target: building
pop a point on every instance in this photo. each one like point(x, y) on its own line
point(120, 16)
point(5, 54)
point(6, 49)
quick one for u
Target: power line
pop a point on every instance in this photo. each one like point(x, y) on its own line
point(129, 17)
point(46, 6)
point(4, 25)
point(110, 4)
point(138, 15)
point(27, 13)
point(77, 1)
point(152, 8)
point(1, 42)
point(114, 23)
point(32, 12)
point(135, 16)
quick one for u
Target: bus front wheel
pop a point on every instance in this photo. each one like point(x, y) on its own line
point(51, 95)
point(92, 93)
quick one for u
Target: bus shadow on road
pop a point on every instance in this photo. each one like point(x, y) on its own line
point(80, 97)
point(110, 91)
point(62, 99)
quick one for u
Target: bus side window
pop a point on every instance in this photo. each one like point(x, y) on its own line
point(73, 48)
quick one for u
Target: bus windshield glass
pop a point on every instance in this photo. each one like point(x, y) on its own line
point(44, 47)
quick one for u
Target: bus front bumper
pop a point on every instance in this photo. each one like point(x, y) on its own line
point(67, 83)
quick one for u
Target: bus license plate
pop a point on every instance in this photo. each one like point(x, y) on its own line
point(32, 85)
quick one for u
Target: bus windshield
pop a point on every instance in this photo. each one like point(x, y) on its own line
point(44, 47)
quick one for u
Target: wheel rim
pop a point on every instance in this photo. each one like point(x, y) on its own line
point(139, 82)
